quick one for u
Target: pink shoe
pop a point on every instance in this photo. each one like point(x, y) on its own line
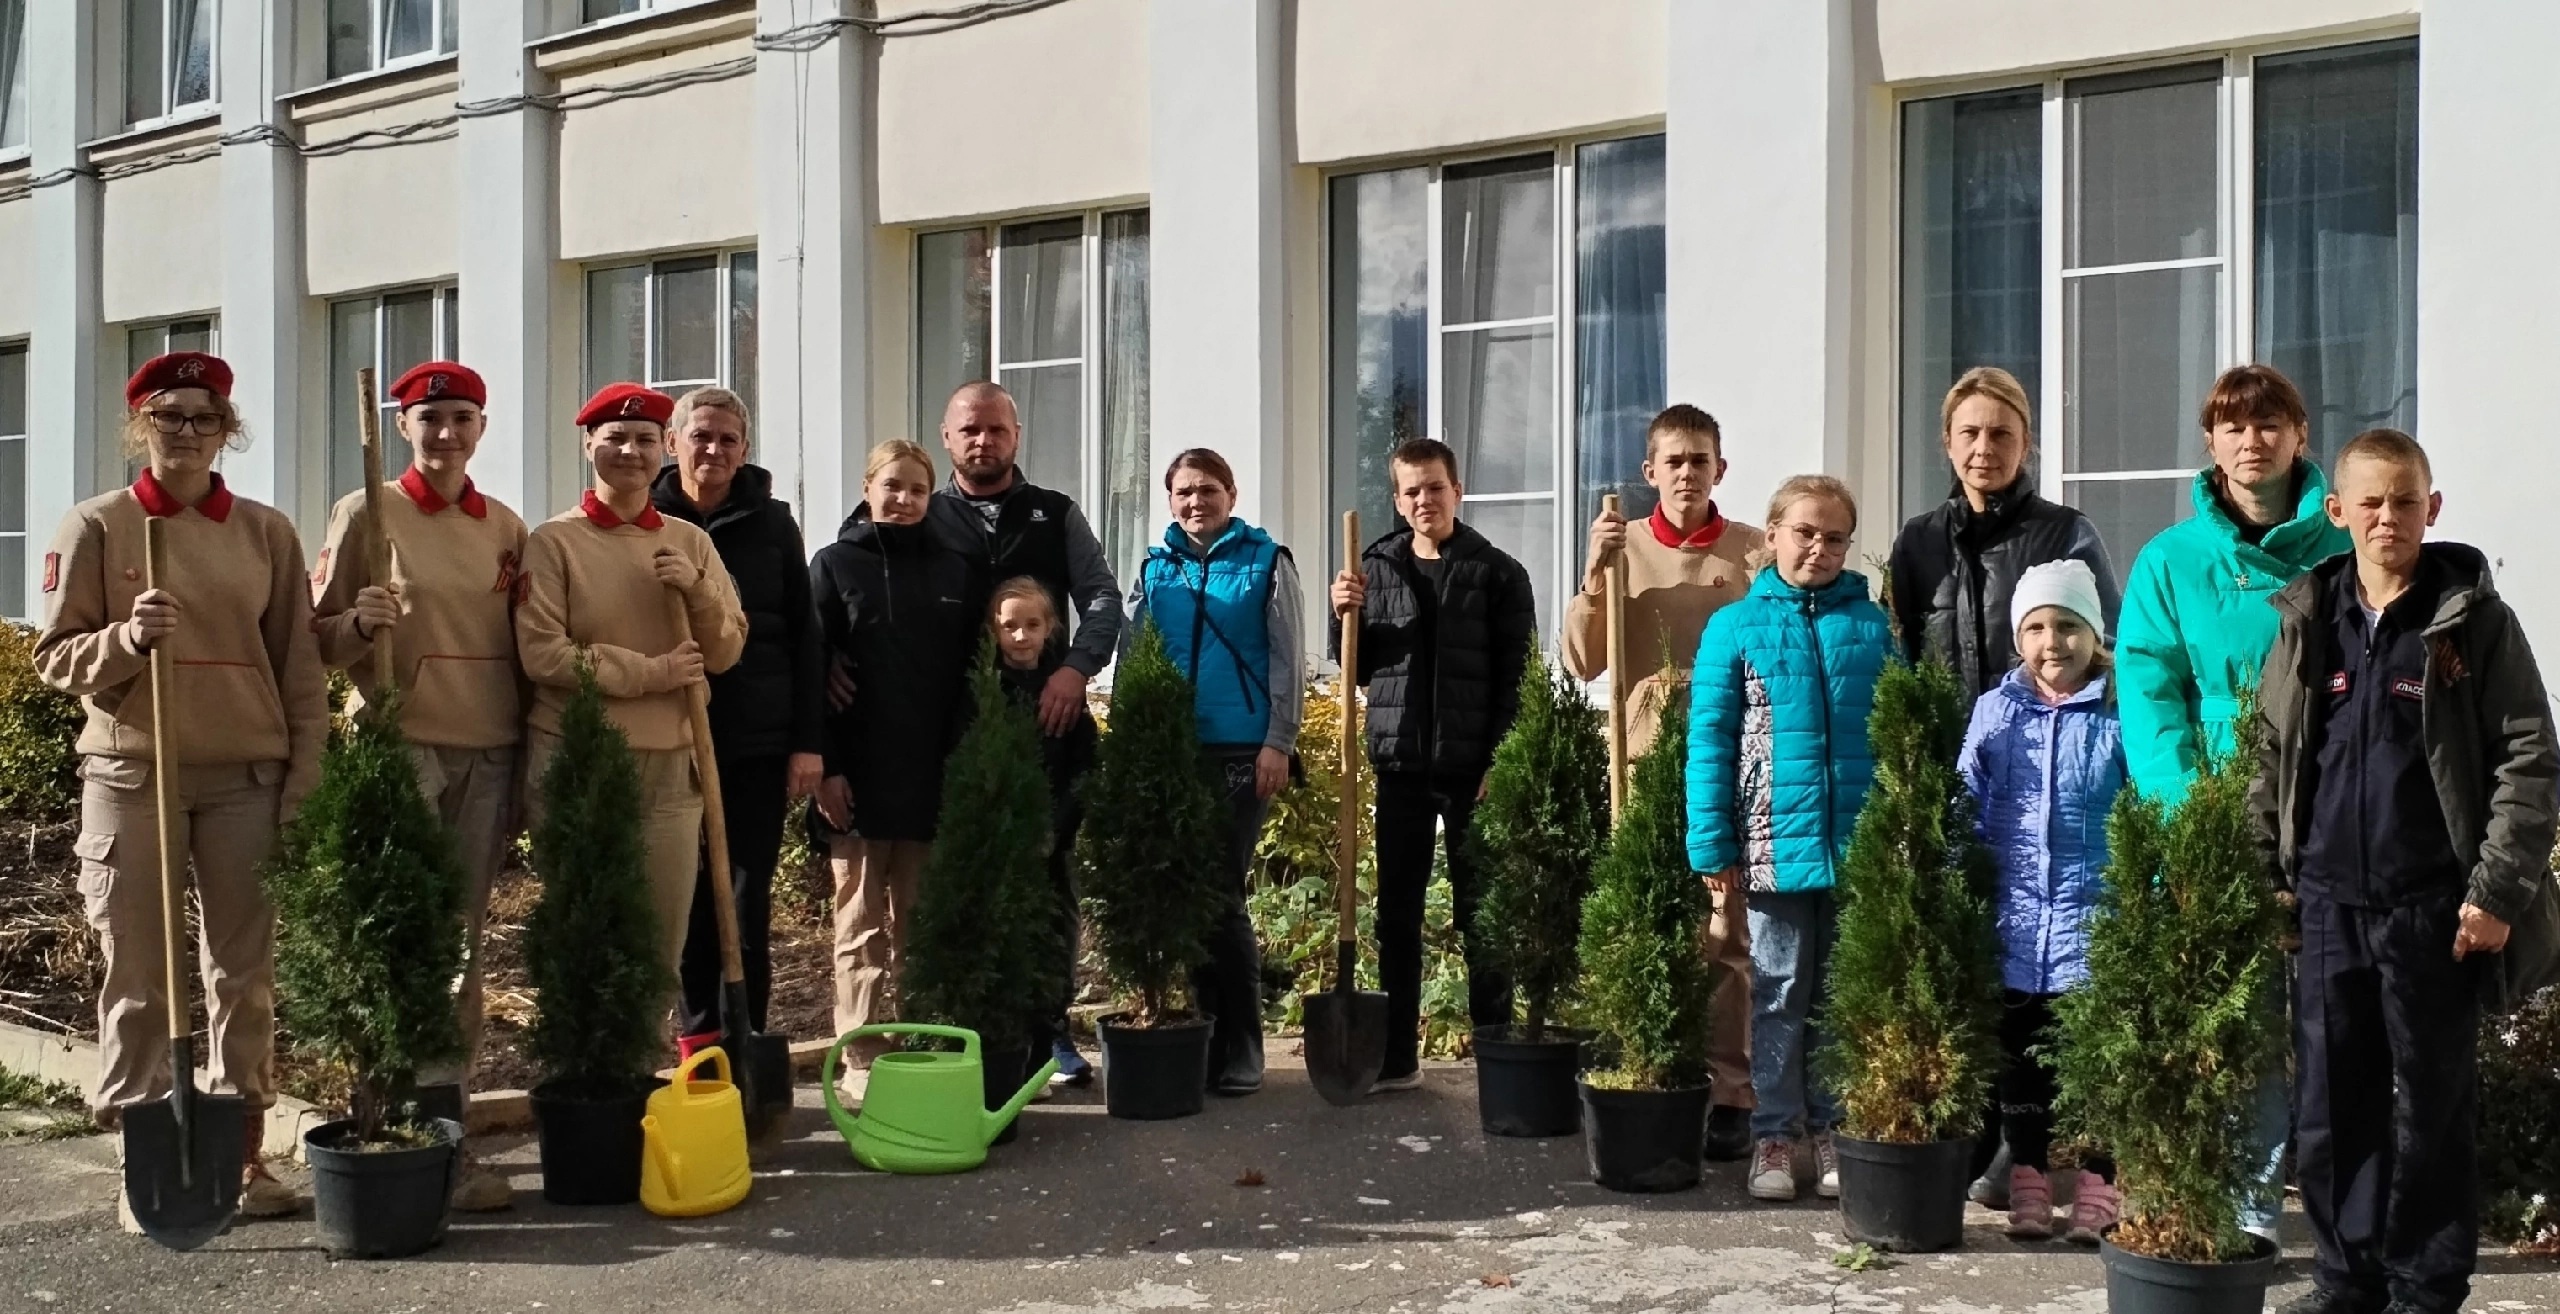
point(2093, 1210)
point(2030, 1204)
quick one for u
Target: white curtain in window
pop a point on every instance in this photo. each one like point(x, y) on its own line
point(350, 36)
point(408, 27)
point(1128, 477)
point(1040, 346)
point(13, 76)
point(1378, 376)
point(191, 21)
point(617, 325)
point(952, 272)
point(1498, 353)
point(1619, 283)
point(690, 321)
point(742, 326)
point(13, 481)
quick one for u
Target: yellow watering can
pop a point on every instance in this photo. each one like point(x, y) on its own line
point(694, 1138)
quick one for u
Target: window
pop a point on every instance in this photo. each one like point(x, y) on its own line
point(13, 479)
point(675, 323)
point(1450, 289)
point(371, 34)
point(2201, 214)
point(595, 11)
point(1010, 303)
point(13, 76)
point(391, 333)
point(168, 56)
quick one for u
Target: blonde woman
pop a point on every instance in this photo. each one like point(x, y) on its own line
point(899, 602)
point(248, 712)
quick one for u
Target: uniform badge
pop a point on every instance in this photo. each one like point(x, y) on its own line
point(510, 574)
point(2449, 660)
point(52, 571)
point(632, 405)
point(320, 571)
point(2410, 688)
point(188, 369)
point(436, 384)
point(2338, 683)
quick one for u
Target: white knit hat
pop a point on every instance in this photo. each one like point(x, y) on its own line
point(2068, 584)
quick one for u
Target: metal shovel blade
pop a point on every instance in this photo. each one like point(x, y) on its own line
point(762, 1065)
point(182, 1161)
point(1346, 1039)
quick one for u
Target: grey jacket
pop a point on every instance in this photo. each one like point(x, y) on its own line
point(2489, 740)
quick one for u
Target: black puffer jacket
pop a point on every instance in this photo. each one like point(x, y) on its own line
point(774, 701)
point(1953, 570)
point(897, 603)
point(1446, 662)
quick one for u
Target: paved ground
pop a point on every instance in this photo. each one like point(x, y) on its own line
point(1399, 1206)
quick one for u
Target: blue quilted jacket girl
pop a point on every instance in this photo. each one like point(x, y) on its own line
point(1778, 757)
point(2044, 776)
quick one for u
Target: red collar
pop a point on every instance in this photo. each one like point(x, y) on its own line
point(430, 501)
point(602, 516)
point(1703, 537)
point(158, 501)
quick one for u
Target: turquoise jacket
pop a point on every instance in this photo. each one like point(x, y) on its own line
point(2197, 624)
point(1210, 607)
point(1778, 757)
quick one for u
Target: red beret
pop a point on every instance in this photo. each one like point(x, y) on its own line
point(626, 401)
point(440, 380)
point(178, 369)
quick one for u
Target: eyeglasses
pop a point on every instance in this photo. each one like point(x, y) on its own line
point(206, 424)
point(1806, 536)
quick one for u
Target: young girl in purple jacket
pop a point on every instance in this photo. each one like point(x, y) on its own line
point(2045, 759)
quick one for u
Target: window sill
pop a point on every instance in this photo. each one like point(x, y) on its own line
point(195, 126)
point(636, 36)
point(15, 160)
point(411, 79)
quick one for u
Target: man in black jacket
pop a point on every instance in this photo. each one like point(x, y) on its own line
point(1445, 622)
point(768, 712)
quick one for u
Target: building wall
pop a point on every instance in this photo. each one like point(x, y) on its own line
point(161, 232)
point(659, 172)
point(1919, 41)
point(17, 275)
point(381, 215)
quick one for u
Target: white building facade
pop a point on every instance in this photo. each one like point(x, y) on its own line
point(1297, 231)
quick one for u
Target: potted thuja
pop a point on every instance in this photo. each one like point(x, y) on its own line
point(1541, 827)
point(1149, 855)
point(1914, 1005)
point(2159, 1056)
point(985, 951)
point(1645, 986)
point(367, 885)
point(599, 989)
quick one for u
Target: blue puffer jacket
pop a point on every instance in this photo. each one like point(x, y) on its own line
point(1210, 608)
point(1778, 758)
point(2044, 777)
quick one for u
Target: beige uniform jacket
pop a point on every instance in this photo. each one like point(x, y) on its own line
point(1671, 591)
point(593, 594)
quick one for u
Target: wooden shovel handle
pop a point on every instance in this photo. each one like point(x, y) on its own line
point(715, 820)
point(377, 544)
point(1615, 609)
point(1347, 878)
point(164, 757)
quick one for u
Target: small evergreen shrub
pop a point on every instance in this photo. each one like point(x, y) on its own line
point(983, 952)
point(2519, 1151)
point(1153, 837)
point(38, 770)
point(2160, 1055)
point(1543, 824)
point(368, 885)
point(1914, 981)
point(590, 946)
point(1644, 984)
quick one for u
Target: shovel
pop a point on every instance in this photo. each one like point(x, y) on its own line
point(762, 1060)
point(1346, 1039)
point(182, 1156)
point(377, 545)
point(1618, 678)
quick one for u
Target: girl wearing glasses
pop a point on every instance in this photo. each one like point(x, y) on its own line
point(1778, 768)
point(248, 712)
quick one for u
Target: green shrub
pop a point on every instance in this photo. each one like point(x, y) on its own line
point(1153, 837)
point(2159, 1057)
point(590, 947)
point(1914, 981)
point(2519, 1151)
point(1543, 824)
point(368, 884)
point(1644, 983)
point(38, 724)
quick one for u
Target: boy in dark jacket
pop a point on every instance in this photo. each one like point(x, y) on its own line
point(1445, 622)
point(2405, 796)
point(1024, 617)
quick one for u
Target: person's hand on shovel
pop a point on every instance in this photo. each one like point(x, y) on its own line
point(155, 617)
point(1350, 592)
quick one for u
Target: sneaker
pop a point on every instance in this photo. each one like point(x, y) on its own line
point(2030, 1205)
point(1773, 1170)
point(262, 1196)
point(1728, 1134)
point(1401, 1081)
point(2328, 1300)
point(1826, 1167)
point(1073, 1070)
point(480, 1189)
point(2093, 1209)
point(1991, 1189)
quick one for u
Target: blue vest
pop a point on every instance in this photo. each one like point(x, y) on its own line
point(1211, 613)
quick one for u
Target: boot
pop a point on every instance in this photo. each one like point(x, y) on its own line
point(261, 1195)
point(1728, 1134)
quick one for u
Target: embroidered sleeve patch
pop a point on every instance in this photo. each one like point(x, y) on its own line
point(2413, 689)
point(320, 573)
point(52, 571)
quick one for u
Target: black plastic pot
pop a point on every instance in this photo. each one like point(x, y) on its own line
point(1904, 1197)
point(1526, 1087)
point(590, 1142)
point(1155, 1072)
point(1645, 1140)
point(1002, 1071)
point(381, 1203)
point(2139, 1284)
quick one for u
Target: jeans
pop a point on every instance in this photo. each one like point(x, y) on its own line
point(2273, 1120)
point(1791, 938)
point(1410, 805)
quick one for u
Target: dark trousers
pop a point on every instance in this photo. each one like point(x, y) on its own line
point(2387, 1100)
point(1227, 982)
point(2026, 1087)
point(753, 802)
point(1065, 821)
point(1410, 805)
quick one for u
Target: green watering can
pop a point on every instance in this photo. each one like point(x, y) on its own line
point(923, 1113)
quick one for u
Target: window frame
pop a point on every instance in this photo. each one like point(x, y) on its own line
point(443, 20)
point(726, 371)
point(28, 607)
point(2235, 172)
point(171, 111)
point(445, 327)
point(113, 465)
point(1569, 533)
point(648, 9)
point(13, 56)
